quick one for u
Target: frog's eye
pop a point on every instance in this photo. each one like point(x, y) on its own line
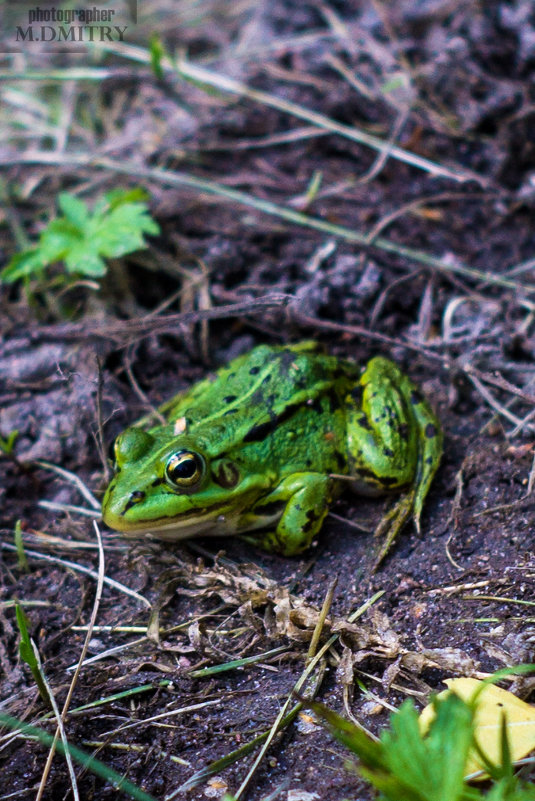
point(184, 469)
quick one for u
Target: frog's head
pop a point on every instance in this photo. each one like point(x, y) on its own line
point(172, 487)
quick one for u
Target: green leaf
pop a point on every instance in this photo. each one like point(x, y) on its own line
point(27, 653)
point(433, 766)
point(58, 238)
point(85, 261)
point(121, 230)
point(74, 209)
point(83, 240)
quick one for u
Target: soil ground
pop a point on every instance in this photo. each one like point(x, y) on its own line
point(452, 83)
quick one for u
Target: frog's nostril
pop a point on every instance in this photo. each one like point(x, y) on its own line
point(135, 497)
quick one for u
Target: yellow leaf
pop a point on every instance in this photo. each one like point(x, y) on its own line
point(491, 704)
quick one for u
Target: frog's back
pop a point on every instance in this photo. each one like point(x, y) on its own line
point(263, 381)
point(275, 406)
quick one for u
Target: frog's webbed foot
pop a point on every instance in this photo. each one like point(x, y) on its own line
point(392, 523)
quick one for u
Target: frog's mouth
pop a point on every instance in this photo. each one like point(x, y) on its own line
point(204, 523)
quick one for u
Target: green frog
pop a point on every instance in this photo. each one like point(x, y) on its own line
point(260, 450)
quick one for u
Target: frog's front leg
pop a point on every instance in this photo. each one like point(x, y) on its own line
point(302, 501)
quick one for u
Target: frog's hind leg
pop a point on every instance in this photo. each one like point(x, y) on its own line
point(394, 444)
point(429, 451)
point(429, 454)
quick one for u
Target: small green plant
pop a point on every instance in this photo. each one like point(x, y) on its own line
point(82, 239)
point(157, 52)
point(8, 443)
point(22, 561)
point(28, 654)
point(406, 765)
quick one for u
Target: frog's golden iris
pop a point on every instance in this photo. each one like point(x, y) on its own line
point(184, 469)
point(260, 450)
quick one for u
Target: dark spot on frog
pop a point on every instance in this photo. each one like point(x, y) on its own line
point(403, 431)
point(364, 422)
point(430, 430)
point(257, 398)
point(340, 458)
point(260, 431)
point(429, 460)
point(311, 519)
point(230, 411)
point(388, 412)
point(266, 379)
point(254, 370)
point(308, 462)
point(230, 399)
point(157, 481)
point(416, 397)
point(388, 452)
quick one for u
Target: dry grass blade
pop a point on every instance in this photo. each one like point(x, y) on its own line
point(162, 716)
point(60, 732)
point(202, 77)
point(496, 405)
point(321, 619)
point(69, 508)
point(73, 479)
point(81, 569)
point(125, 331)
point(61, 718)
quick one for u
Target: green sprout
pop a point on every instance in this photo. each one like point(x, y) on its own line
point(82, 240)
